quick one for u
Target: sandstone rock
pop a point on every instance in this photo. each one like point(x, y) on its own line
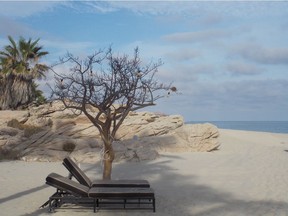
point(148, 124)
point(142, 136)
point(199, 137)
point(9, 131)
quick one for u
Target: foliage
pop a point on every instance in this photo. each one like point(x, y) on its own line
point(39, 97)
point(29, 130)
point(14, 123)
point(69, 146)
point(8, 154)
point(50, 123)
point(19, 66)
point(22, 59)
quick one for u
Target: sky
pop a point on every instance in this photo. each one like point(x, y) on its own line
point(228, 59)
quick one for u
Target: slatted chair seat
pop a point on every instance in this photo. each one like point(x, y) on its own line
point(69, 191)
point(82, 178)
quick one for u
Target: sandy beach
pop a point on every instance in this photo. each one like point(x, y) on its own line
point(247, 176)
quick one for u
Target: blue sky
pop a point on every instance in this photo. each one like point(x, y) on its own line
point(228, 59)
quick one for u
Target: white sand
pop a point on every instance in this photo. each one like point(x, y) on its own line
point(248, 176)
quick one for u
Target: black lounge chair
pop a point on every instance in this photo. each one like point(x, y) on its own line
point(82, 178)
point(69, 191)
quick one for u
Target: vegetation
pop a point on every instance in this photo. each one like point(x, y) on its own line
point(69, 147)
point(8, 154)
point(106, 87)
point(19, 66)
point(39, 97)
point(29, 130)
point(14, 123)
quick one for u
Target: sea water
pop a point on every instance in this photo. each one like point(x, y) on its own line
point(264, 126)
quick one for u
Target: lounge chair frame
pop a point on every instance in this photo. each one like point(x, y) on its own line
point(68, 191)
point(82, 178)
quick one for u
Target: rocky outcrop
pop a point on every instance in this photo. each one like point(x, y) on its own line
point(50, 135)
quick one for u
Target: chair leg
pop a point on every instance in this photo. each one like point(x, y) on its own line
point(51, 209)
point(47, 202)
point(154, 205)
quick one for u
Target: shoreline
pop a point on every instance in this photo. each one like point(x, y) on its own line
point(255, 126)
point(246, 176)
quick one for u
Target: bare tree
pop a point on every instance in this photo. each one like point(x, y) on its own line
point(113, 85)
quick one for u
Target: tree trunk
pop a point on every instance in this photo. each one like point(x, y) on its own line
point(108, 159)
point(16, 92)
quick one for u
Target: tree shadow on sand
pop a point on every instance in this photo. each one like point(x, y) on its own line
point(22, 193)
point(175, 193)
point(179, 194)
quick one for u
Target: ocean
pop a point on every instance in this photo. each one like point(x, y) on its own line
point(263, 126)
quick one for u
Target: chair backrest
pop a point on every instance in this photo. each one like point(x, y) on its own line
point(81, 177)
point(67, 185)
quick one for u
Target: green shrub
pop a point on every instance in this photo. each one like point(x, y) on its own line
point(50, 123)
point(8, 154)
point(30, 130)
point(69, 146)
point(14, 123)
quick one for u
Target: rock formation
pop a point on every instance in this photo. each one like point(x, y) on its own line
point(45, 134)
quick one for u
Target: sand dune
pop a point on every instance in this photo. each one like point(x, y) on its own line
point(247, 176)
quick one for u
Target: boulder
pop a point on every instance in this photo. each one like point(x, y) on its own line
point(145, 124)
point(199, 137)
point(142, 136)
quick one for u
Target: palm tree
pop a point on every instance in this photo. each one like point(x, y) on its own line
point(19, 66)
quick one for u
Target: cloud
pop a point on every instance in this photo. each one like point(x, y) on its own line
point(102, 7)
point(185, 74)
point(243, 68)
point(60, 47)
point(141, 7)
point(230, 8)
point(186, 7)
point(183, 54)
point(250, 93)
point(14, 28)
point(234, 100)
point(197, 36)
point(48, 82)
point(212, 19)
point(227, 100)
point(262, 54)
point(26, 8)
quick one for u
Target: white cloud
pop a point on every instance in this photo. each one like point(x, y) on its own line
point(243, 68)
point(183, 54)
point(141, 7)
point(231, 8)
point(26, 8)
point(14, 28)
point(261, 54)
point(234, 100)
point(196, 36)
point(60, 47)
